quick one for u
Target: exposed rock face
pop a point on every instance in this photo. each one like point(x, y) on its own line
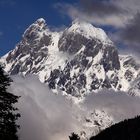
point(72, 43)
point(77, 61)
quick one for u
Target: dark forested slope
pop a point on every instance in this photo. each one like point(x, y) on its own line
point(126, 130)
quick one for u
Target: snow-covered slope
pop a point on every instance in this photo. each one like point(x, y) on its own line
point(78, 60)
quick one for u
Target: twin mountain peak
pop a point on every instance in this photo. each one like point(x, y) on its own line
point(78, 60)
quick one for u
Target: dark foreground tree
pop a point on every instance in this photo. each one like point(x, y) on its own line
point(126, 130)
point(8, 113)
point(74, 137)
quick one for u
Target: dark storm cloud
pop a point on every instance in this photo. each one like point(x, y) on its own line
point(99, 12)
point(101, 8)
point(131, 32)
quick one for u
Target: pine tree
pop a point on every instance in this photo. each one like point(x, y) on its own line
point(74, 137)
point(8, 113)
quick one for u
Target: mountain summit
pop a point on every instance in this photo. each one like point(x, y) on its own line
point(79, 60)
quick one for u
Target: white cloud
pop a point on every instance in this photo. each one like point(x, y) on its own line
point(102, 13)
point(47, 116)
point(113, 20)
point(44, 115)
point(118, 104)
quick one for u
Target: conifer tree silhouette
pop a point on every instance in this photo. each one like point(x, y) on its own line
point(8, 113)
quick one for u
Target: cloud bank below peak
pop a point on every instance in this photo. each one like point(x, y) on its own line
point(45, 115)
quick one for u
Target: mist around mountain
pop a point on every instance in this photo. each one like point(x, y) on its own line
point(45, 115)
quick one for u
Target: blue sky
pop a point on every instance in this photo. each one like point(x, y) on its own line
point(17, 15)
point(120, 19)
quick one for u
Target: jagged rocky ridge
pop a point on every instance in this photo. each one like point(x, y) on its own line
point(78, 60)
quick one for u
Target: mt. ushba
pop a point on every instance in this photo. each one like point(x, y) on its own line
point(77, 61)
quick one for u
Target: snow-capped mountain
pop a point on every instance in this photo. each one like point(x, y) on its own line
point(78, 60)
